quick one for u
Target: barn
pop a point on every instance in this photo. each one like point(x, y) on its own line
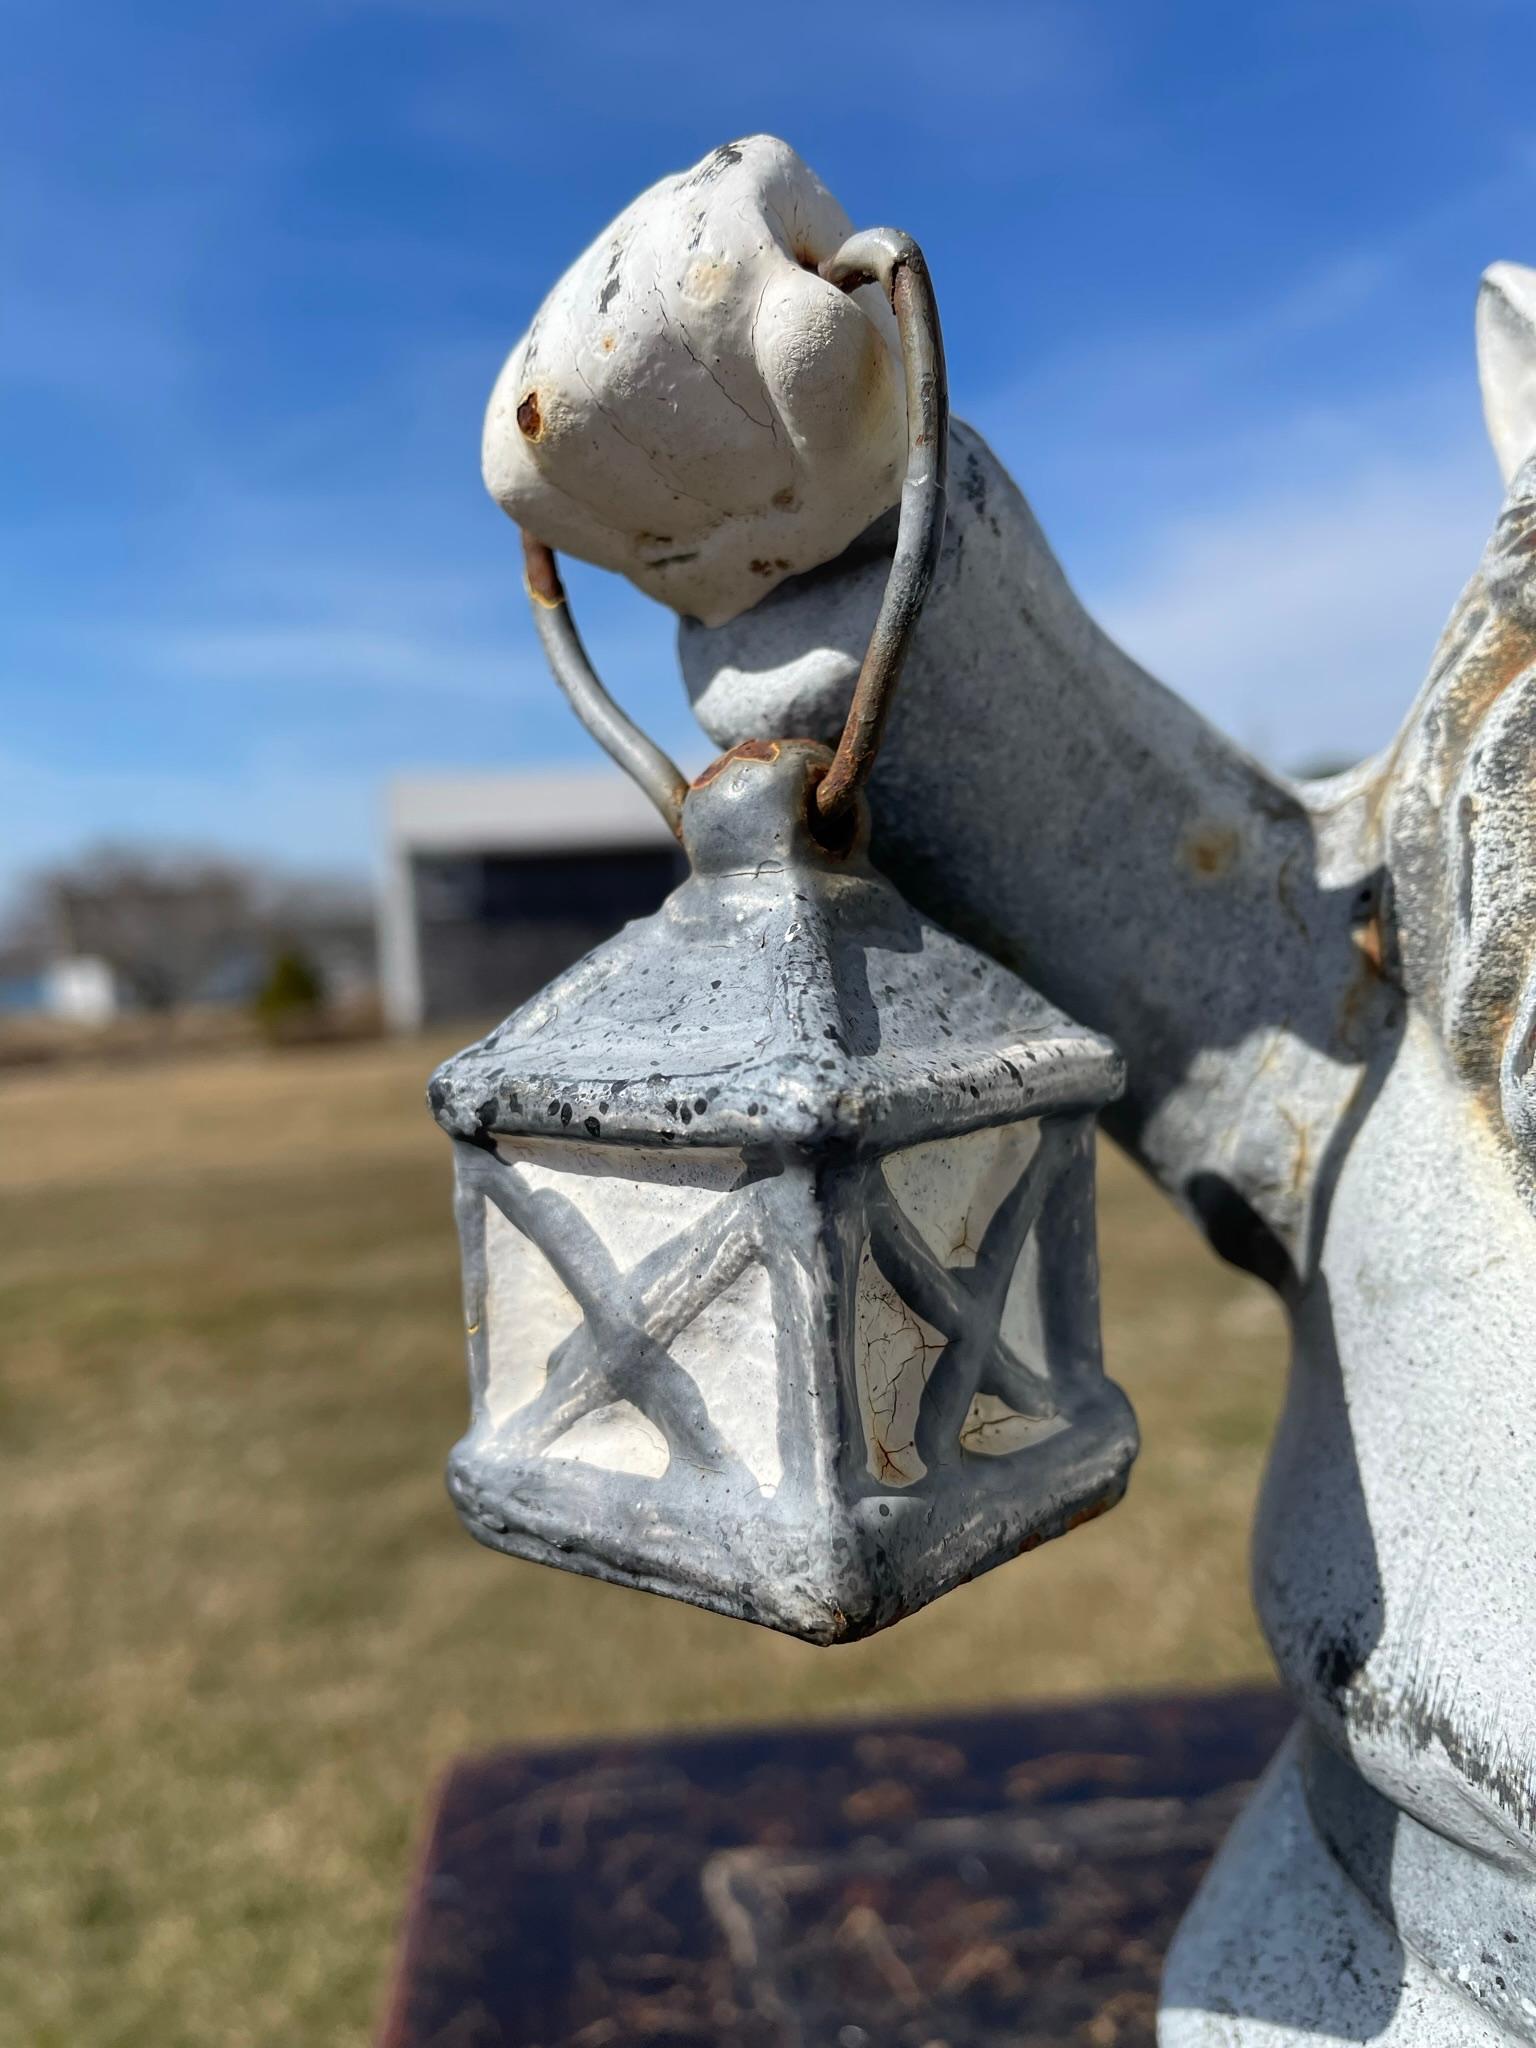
point(494, 883)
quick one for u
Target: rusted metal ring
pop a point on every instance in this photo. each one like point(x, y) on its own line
point(886, 257)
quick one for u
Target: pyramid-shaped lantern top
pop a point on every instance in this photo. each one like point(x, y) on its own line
point(784, 996)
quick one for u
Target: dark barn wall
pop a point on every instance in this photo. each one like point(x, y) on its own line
point(493, 928)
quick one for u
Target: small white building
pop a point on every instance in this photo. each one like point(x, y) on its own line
point(494, 883)
point(81, 989)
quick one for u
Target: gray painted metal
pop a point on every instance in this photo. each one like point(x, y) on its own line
point(788, 1013)
point(894, 261)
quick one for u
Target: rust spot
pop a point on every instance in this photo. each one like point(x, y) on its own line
point(1301, 1158)
point(1499, 652)
point(749, 750)
point(784, 499)
point(540, 573)
point(1370, 943)
point(1091, 1513)
point(835, 835)
point(1209, 850)
point(1375, 964)
point(1353, 1014)
point(608, 344)
point(529, 419)
point(759, 567)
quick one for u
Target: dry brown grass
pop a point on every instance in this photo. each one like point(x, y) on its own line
point(243, 1629)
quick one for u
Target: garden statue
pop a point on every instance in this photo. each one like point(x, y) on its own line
point(1324, 994)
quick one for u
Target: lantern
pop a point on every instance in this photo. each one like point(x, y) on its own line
point(777, 1209)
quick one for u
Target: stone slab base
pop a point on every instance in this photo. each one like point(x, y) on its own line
point(947, 1883)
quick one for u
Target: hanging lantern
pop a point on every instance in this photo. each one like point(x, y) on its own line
point(777, 1209)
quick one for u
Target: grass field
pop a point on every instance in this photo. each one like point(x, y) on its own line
point(242, 1628)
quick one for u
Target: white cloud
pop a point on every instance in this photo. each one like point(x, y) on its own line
point(1303, 623)
point(270, 808)
point(1287, 564)
point(345, 657)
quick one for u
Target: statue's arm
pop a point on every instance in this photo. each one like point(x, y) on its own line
point(1040, 792)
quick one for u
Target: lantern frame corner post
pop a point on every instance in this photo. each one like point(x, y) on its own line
point(1068, 1236)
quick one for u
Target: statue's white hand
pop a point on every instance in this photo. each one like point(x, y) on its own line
point(693, 405)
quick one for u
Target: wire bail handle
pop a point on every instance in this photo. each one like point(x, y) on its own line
point(891, 259)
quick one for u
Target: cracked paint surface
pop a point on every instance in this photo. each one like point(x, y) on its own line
point(950, 1189)
point(895, 1352)
point(949, 1193)
point(994, 1430)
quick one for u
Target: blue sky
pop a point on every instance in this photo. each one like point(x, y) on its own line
point(1207, 273)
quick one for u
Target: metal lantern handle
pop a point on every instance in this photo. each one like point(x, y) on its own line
point(891, 259)
point(614, 730)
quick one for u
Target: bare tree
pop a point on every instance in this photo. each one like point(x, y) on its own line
point(178, 926)
point(164, 921)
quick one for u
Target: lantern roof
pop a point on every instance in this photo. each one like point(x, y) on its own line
point(784, 995)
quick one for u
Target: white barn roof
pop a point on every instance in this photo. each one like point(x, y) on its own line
point(547, 812)
point(560, 810)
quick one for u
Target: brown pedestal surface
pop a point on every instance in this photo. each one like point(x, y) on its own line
point(992, 1881)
